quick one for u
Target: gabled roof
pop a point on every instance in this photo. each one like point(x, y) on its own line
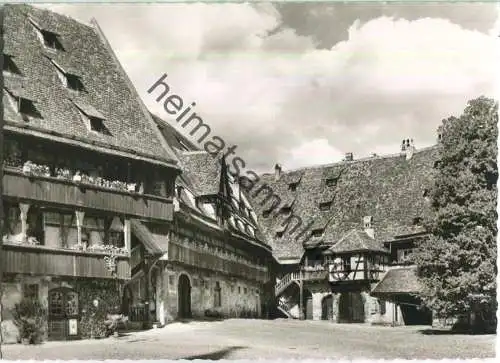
point(203, 170)
point(107, 88)
point(388, 188)
point(355, 241)
point(399, 280)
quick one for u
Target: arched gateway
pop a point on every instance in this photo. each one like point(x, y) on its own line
point(184, 297)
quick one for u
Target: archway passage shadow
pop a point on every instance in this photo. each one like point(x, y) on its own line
point(219, 354)
point(436, 331)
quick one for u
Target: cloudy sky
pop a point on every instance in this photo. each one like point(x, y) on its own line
point(303, 84)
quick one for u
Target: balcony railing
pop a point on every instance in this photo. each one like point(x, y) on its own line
point(41, 260)
point(206, 260)
point(68, 193)
point(314, 275)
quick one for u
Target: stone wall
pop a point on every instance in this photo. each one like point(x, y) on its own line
point(106, 291)
point(239, 297)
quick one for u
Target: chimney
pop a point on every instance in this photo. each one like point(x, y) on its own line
point(348, 157)
point(407, 148)
point(277, 172)
point(367, 224)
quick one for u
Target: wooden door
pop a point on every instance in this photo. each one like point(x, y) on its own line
point(64, 314)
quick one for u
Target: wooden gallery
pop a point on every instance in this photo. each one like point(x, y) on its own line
point(106, 209)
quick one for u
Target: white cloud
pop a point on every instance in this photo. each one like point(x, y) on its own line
point(279, 98)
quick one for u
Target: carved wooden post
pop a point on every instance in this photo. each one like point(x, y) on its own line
point(24, 208)
point(127, 238)
point(80, 215)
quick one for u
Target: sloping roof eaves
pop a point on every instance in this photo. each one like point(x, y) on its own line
point(355, 241)
point(399, 280)
point(106, 87)
point(146, 237)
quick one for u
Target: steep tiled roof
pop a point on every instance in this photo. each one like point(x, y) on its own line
point(107, 92)
point(174, 138)
point(388, 188)
point(203, 170)
point(399, 280)
point(356, 240)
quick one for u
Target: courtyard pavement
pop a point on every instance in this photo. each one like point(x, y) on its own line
point(267, 339)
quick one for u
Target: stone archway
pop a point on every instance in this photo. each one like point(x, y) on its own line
point(184, 297)
point(327, 308)
point(351, 308)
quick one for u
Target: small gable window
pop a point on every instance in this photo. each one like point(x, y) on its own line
point(367, 221)
point(9, 65)
point(325, 206)
point(93, 118)
point(331, 182)
point(24, 106)
point(317, 232)
point(293, 186)
point(50, 40)
point(279, 234)
point(286, 210)
point(73, 82)
point(69, 80)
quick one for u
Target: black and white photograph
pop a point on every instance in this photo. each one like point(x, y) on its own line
point(249, 180)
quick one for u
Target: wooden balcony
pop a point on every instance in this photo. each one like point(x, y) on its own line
point(209, 261)
point(316, 275)
point(63, 192)
point(40, 260)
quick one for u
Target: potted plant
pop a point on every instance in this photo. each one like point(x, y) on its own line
point(29, 317)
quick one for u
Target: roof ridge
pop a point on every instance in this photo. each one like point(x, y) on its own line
point(366, 158)
point(36, 6)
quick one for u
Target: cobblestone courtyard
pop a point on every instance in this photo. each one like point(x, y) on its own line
point(240, 339)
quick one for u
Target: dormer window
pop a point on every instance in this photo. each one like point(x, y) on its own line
point(48, 38)
point(24, 106)
point(426, 193)
point(325, 206)
point(9, 66)
point(293, 186)
point(279, 234)
point(286, 210)
point(69, 80)
point(367, 221)
point(93, 118)
point(417, 221)
point(331, 182)
point(317, 232)
point(73, 82)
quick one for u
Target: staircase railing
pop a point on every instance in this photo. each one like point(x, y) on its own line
point(285, 282)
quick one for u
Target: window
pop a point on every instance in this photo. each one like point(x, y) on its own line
point(279, 234)
point(217, 295)
point(9, 65)
point(382, 307)
point(286, 210)
point(239, 289)
point(97, 124)
point(245, 290)
point(367, 221)
point(293, 186)
point(73, 82)
point(51, 40)
point(331, 182)
point(30, 291)
point(317, 232)
point(417, 221)
point(346, 264)
point(27, 107)
point(325, 206)
point(266, 213)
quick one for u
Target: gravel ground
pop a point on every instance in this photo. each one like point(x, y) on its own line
point(243, 339)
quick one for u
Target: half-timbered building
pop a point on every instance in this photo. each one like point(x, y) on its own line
point(337, 229)
point(84, 167)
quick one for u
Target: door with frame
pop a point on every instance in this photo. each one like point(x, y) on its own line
point(64, 314)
